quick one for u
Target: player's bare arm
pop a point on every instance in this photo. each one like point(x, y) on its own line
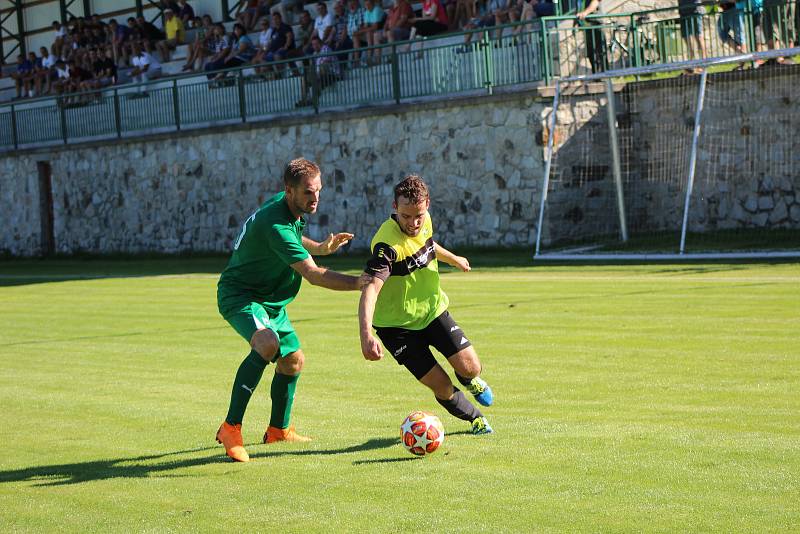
point(331, 244)
point(370, 346)
point(324, 277)
point(459, 262)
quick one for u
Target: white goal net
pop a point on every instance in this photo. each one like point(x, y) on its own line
point(704, 165)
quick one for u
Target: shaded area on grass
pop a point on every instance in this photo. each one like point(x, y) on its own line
point(158, 464)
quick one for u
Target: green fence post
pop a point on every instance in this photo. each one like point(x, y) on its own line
point(117, 114)
point(63, 114)
point(315, 88)
point(545, 53)
point(242, 103)
point(638, 60)
point(486, 44)
point(751, 33)
point(395, 75)
point(14, 127)
point(175, 105)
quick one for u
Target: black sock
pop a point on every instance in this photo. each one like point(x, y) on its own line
point(463, 381)
point(460, 407)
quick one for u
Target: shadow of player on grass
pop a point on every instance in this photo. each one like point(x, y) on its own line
point(158, 464)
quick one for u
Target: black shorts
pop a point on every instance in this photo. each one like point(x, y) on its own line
point(411, 348)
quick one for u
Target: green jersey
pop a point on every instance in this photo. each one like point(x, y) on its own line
point(411, 296)
point(270, 240)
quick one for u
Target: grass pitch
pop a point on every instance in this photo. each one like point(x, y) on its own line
point(628, 398)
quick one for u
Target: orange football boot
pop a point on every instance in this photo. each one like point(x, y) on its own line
point(231, 438)
point(274, 434)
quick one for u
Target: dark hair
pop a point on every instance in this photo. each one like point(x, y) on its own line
point(297, 169)
point(240, 27)
point(413, 188)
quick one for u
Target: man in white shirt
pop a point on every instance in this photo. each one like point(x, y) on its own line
point(145, 68)
point(48, 72)
point(323, 24)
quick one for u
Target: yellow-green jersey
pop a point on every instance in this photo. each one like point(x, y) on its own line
point(411, 296)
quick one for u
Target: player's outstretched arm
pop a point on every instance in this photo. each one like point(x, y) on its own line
point(331, 244)
point(370, 346)
point(324, 277)
point(459, 262)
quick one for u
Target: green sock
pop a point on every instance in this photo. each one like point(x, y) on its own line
point(282, 393)
point(247, 378)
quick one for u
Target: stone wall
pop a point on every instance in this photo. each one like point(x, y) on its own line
point(192, 192)
point(483, 158)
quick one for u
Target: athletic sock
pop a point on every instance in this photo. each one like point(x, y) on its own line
point(247, 378)
point(460, 407)
point(282, 393)
point(463, 381)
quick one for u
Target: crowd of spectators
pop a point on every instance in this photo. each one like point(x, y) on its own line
point(87, 52)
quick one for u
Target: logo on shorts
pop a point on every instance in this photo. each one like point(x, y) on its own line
point(464, 340)
point(401, 349)
point(251, 390)
point(454, 328)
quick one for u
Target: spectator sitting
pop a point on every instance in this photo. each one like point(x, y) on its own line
point(339, 41)
point(355, 20)
point(323, 24)
point(504, 12)
point(145, 68)
point(176, 35)
point(62, 76)
point(222, 46)
point(100, 37)
point(325, 70)
point(302, 40)
point(483, 18)
point(433, 20)
point(104, 69)
point(250, 11)
point(47, 73)
point(203, 45)
point(119, 39)
point(465, 12)
point(241, 52)
point(73, 75)
point(22, 75)
point(185, 13)
point(398, 25)
point(61, 33)
point(275, 42)
point(369, 32)
point(150, 34)
point(286, 8)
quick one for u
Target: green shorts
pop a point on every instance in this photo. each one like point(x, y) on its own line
point(254, 316)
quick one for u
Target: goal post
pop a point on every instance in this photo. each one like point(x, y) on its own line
point(677, 167)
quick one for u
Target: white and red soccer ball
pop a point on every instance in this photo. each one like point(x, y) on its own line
point(421, 433)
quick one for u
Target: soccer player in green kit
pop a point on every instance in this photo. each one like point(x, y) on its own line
point(403, 300)
point(270, 258)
